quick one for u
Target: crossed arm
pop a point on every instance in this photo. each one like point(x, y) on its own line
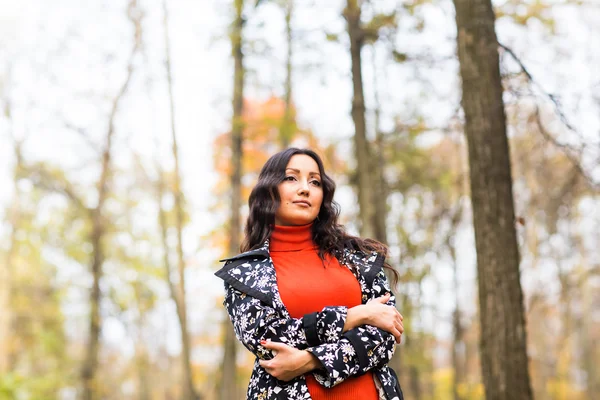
point(341, 342)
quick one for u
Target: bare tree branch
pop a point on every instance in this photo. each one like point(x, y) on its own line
point(90, 364)
point(81, 132)
point(550, 96)
point(42, 178)
point(568, 150)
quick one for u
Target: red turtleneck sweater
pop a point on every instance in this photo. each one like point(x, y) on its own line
point(307, 284)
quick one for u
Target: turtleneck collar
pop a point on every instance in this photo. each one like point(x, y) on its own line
point(291, 238)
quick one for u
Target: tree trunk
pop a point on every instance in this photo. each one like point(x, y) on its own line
point(361, 144)
point(589, 341)
point(378, 165)
point(415, 382)
point(503, 336)
point(162, 218)
point(286, 131)
point(189, 393)
point(142, 367)
point(561, 370)
point(227, 388)
point(142, 361)
point(90, 365)
point(381, 191)
point(458, 355)
point(141, 358)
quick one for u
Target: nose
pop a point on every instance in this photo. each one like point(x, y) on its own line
point(303, 189)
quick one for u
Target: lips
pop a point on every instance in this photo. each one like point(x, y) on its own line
point(304, 202)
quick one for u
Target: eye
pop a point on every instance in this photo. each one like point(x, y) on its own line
point(316, 183)
point(289, 178)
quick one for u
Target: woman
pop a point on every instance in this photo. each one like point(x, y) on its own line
point(309, 301)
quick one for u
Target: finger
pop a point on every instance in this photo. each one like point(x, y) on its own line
point(278, 346)
point(397, 335)
point(398, 313)
point(399, 320)
point(378, 299)
point(265, 364)
point(400, 328)
point(383, 299)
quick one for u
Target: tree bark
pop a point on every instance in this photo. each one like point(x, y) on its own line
point(457, 328)
point(142, 365)
point(162, 218)
point(378, 166)
point(415, 382)
point(380, 189)
point(142, 361)
point(189, 392)
point(227, 388)
point(352, 14)
point(503, 333)
point(90, 365)
point(589, 342)
point(286, 131)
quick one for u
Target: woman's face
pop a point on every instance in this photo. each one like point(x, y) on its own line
point(301, 193)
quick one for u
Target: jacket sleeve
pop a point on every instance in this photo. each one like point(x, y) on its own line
point(253, 321)
point(359, 350)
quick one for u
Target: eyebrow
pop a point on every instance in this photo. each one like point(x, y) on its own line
point(298, 171)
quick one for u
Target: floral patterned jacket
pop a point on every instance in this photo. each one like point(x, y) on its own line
point(257, 313)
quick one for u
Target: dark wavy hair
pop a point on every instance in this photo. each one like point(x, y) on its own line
point(329, 236)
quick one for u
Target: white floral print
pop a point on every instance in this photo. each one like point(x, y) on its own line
point(255, 308)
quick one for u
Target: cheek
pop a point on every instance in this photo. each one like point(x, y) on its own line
point(285, 194)
point(321, 195)
point(320, 202)
point(283, 199)
point(284, 204)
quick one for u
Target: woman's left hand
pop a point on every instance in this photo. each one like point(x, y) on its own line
point(288, 362)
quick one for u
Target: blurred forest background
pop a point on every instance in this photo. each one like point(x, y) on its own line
point(132, 131)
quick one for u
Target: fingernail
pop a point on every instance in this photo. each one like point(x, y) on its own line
point(263, 341)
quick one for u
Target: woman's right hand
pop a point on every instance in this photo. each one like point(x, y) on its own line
point(384, 316)
point(376, 313)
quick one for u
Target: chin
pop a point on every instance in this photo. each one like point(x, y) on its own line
point(295, 218)
point(298, 221)
point(301, 222)
point(306, 220)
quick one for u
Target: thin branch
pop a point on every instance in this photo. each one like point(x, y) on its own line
point(566, 149)
point(82, 134)
point(43, 179)
point(552, 97)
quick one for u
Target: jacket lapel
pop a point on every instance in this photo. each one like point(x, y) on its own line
point(365, 265)
point(253, 272)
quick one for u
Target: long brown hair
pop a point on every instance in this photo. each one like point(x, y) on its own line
point(329, 236)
